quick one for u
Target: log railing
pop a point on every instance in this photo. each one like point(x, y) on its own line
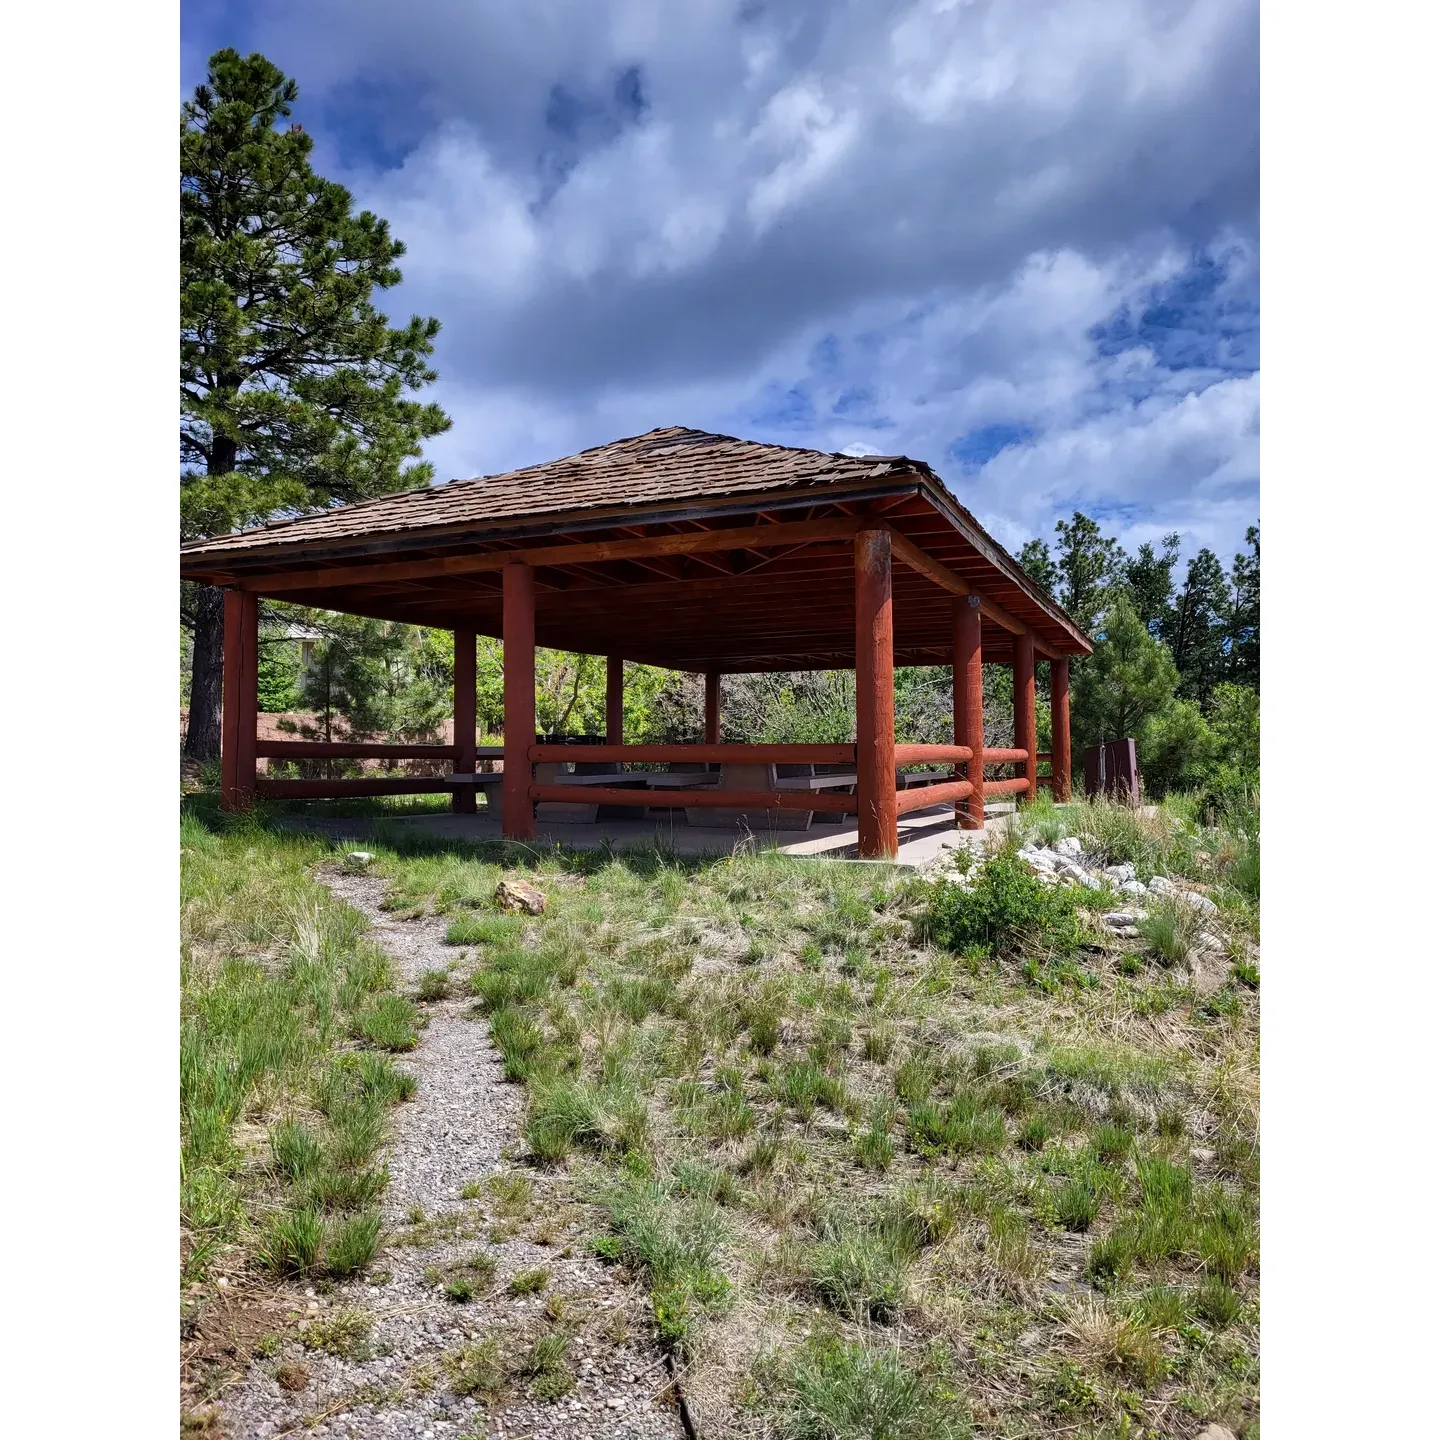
point(350, 750)
point(733, 754)
point(350, 786)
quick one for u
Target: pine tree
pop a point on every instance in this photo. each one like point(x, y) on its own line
point(1089, 564)
point(1150, 579)
point(1128, 680)
point(1035, 560)
point(1242, 615)
point(1195, 628)
point(292, 386)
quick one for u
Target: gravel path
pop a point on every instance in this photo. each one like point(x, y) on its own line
point(395, 1382)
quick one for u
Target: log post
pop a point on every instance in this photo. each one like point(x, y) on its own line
point(712, 707)
point(462, 799)
point(614, 700)
point(1025, 710)
point(517, 810)
point(875, 697)
point(969, 705)
point(1060, 728)
point(241, 681)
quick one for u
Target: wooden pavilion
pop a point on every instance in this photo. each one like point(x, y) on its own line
point(683, 549)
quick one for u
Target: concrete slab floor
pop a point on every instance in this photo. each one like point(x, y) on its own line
point(925, 835)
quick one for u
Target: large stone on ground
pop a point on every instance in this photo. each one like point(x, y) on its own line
point(521, 896)
point(1215, 1431)
point(1203, 903)
point(1070, 846)
point(1121, 919)
point(1134, 889)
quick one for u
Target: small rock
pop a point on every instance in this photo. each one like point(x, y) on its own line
point(1121, 920)
point(520, 895)
point(1161, 885)
point(1215, 1431)
point(1203, 903)
point(1120, 873)
point(1134, 889)
point(1201, 1156)
point(358, 860)
point(1069, 846)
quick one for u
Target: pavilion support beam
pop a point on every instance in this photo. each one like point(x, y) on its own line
point(517, 810)
point(712, 707)
point(462, 800)
point(614, 700)
point(968, 679)
point(1024, 664)
point(1060, 728)
point(875, 698)
point(238, 715)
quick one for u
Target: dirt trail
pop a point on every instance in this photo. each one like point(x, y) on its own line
point(452, 1133)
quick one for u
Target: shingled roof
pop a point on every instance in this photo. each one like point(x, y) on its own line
point(674, 463)
point(616, 534)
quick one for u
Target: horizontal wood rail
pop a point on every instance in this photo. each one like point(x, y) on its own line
point(1004, 757)
point(733, 754)
point(349, 750)
point(921, 797)
point(935, 754)
point(343, 789)
point(687, 542)
point(714, 799)
point(1044, 755)
point(1045, 780)
point(1006, 787)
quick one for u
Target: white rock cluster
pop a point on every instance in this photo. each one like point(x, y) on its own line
point(1067, 863)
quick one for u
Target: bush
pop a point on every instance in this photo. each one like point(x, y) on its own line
point(1005, 910)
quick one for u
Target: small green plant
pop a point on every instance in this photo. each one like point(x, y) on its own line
point(1111, 1143)
point(512, 1193)
point(1077, 1204)
point(294, 1149)
point(478, 927)
point(292, 1241)
point(837, 1391)
point(476, 1369)
point(1217, 1304)
point(879, 1042)
point(1033, 1133)
point(529, 1282)
point(1247, 974)
point(389, 1023)
point(1170, 928)
point(874, 1148)
point(544, 1364)
point(340, 1333)
point(352, 1243)
point(460, 1289)
point(1005, 909)
point(434, 985)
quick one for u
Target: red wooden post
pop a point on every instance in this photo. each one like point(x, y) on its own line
point(614, 700)
point(1025, 709)
point(517, 811)
point(969, 704)
point(712, 707)
point(238, 713)
point(1060, 727)
point(875, 697)
point(462, 799)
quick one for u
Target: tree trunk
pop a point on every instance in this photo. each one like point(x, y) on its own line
point(207, 662)
point(207, 670)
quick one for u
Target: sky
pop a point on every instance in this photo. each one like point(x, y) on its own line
point(1017, 240)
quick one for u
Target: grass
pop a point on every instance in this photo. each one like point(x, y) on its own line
point(1170, 928)
point(286, 1009)
point(858, 1137)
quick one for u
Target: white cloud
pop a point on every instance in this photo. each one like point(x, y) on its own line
point(955, 192)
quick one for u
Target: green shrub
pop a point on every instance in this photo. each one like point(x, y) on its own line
point(1005, 910)
point(389, 1024)
point(292, 1242)
point(352, 1243)
point(852, 1392)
